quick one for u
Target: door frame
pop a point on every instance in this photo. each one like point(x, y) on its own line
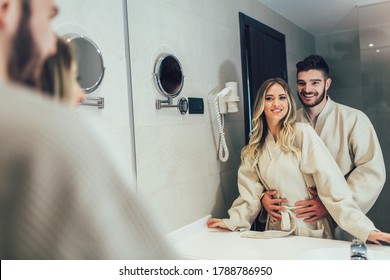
point(246, 21)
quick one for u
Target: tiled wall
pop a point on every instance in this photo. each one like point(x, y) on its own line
point(177, 167)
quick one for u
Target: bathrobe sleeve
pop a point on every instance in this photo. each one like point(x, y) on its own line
point(356, 150)
point(318, 165)
point(366, 180)
point(247, 206)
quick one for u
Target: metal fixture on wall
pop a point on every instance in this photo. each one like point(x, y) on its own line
point(92, 101)
point(169, 80)
point(89, 61)
point(90, 66)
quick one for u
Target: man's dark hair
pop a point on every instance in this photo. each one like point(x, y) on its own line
point(24, 58)
point(313, 62)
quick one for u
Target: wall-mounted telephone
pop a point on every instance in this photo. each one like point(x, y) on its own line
point(225, 102)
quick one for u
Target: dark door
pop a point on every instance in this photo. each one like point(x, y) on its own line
point(263, 56)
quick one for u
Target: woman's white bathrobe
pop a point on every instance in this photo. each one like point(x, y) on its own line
point(283, 172)
point(351, 139)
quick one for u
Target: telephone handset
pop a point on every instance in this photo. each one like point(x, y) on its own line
point(225, 102)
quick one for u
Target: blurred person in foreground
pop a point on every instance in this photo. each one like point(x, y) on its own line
point(64, 191)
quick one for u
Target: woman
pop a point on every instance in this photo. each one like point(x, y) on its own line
point(60, 76)
point(291, 158)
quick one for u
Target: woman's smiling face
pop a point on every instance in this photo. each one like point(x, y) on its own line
point(275, 104)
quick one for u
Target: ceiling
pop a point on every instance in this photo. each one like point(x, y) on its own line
point(326, 16)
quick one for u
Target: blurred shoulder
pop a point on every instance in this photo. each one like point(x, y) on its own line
point(30, 120)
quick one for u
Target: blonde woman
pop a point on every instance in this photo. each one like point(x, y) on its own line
point(60, 76)
point(290, 158)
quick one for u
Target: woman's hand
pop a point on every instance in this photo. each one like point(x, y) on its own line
point(272, 204)
point(216, 223)
point(376, 236)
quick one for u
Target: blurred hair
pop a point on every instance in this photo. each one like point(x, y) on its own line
point(56, 78)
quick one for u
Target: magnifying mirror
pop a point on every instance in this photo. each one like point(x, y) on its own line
point(169, 80)
point(169, 76)
point(89, 61)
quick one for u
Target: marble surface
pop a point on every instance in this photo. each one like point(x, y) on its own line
point(196, 241)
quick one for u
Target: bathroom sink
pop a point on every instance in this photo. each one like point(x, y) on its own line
point(197, 241)
point(340, 254)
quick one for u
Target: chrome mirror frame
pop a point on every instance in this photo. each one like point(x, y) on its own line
point(177, 81)
point(71, 39)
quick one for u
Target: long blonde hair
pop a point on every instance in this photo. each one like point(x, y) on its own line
point(260, 128)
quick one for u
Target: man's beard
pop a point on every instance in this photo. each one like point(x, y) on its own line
point(318, 99)
point(24, 59)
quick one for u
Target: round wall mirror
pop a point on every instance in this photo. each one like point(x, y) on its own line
point(168, 75)
point(89, 61)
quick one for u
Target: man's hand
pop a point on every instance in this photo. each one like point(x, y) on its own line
point(312, 210)
point(377, 236)
point(272, 205)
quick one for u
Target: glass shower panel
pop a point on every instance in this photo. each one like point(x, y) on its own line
point(374, 37)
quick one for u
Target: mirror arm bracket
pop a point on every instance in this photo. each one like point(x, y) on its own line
point(182, 104)
point(96, 102)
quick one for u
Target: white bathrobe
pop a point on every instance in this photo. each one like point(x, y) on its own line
point(351, 139)
point(64, 192)
point(283, 172)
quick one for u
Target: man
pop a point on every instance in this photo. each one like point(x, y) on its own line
point(33, 41)
point(348, 135)
point(63, 191)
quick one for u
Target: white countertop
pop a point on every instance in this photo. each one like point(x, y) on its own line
point(196, 241)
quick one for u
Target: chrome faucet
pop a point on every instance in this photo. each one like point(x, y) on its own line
point(358, 250)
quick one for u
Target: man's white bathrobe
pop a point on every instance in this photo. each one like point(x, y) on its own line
point(351, 139)
point(291, 177)
point(64, 189)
